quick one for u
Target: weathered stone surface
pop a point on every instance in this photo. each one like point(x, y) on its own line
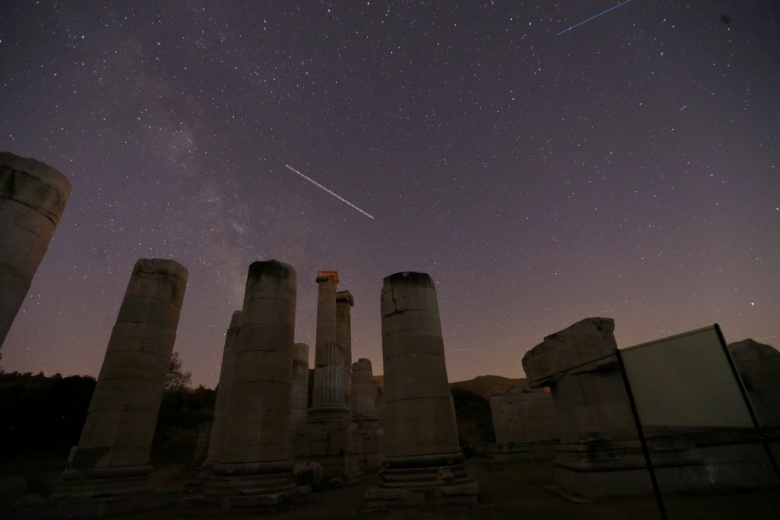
point(423, 463)
point(582, 347)
point(759, 367)
point(113, 452)
point(32, 199)
point(222, 404)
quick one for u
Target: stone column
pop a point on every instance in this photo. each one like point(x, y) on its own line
point(363, 391)
point(32, 199)
point(423, 462)
point(255, 465)
point(300, 387)
point(370, 446)
point(223, 390)
point(329, 437)
point(112, 457)
point(344, 304)
point(593, 416)
point(329, 394)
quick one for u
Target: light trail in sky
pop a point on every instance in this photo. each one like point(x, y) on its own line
point(593, 17)
point(345, 201)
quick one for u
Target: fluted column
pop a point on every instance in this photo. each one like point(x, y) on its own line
point(118, 432)
point(32, 199)
point(344, 304)
point(329, 394)
point(300, 387)
point(223, 390)
point(363, 391)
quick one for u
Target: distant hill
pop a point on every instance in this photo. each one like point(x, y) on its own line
point(480, 385)
point(483, 385)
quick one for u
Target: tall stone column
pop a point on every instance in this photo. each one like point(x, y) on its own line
point(371, 437)
point(344, 304)
point(329, 394)
point(222, 403)
point(363, 391)
point(423, 461)
point(329, 437)
point(300, 387)
point(112, 457)
point(255, 465)
point(32, 199)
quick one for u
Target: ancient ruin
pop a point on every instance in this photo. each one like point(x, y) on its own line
point(109, 469)
point(32, 198)
point(600, 453)
point(524, 422)
point(423, 462)
point(370, 447)
point(329, 437)
point(216, 438)
point(254, 465)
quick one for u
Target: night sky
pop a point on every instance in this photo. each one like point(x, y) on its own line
point(628, 168)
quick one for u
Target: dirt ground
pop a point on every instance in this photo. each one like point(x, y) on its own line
point(508, 491)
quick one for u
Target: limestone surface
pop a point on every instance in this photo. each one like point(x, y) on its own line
point(32, 199)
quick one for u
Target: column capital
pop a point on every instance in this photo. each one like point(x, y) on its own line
point(345, 297)
point(324, 276)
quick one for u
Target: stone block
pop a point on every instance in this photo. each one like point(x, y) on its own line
point(583, 347)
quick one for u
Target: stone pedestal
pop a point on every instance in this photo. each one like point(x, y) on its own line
point(759, 367)
point(524, 422)
point(109, 469)
point(32, 199)
point(371, 437)
point(423, 463)
point(600, 454)
point(255, 464)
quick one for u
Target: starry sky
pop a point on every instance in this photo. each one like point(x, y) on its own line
point(627, 168)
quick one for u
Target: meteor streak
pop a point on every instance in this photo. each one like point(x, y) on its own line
point(345, 201)
point(593, 17)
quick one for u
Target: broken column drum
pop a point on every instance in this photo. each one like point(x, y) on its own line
point(423, 460)
point(32, 199)
point(223, 390)
point(300, 387)
point(112, 456)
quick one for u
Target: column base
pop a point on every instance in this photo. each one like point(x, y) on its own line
point(423, 487)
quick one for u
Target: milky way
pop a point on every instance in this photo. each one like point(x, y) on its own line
point(628, 169)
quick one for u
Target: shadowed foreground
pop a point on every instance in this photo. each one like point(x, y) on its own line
point(509, 491)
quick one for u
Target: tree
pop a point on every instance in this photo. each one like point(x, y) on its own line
point(177, 379)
